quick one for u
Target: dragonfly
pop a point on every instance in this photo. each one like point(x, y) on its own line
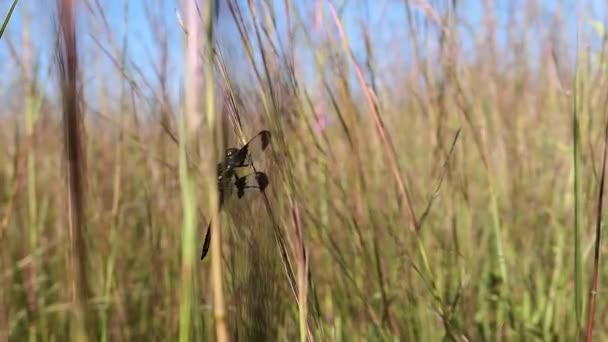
point(228, 178)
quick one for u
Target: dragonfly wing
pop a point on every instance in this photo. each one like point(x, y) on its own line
point(252, 150)
point(227, 172)
point(255, 180)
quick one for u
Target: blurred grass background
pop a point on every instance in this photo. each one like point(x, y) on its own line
point(434, 172)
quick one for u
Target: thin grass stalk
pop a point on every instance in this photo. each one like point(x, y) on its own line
point(30, 120)
point(117, 190)
point(351, 123)
point(188, 229)
point(19, 172)
point(598, 234)
point(302, 274)
point(214, 137)
point(74, 148)
point(265, 64)
point(404, 198)
point(319, 62)
point(578, 204)
point(321, 66)
point(237, 16)
point(234, 117)
point(8, 209)
point(186, 119)
point(8, 18)
point(31, 110)
point(428, 275)
point(496, 277)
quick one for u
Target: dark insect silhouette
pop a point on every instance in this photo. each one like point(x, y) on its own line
point(228, 178)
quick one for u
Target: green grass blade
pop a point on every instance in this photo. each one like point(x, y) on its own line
point(8, 18)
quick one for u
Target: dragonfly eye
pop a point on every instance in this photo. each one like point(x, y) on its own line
point(231, 151)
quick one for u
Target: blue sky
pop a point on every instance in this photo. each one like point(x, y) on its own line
point(386, 20)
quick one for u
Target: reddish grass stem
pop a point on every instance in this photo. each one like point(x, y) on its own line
point(74, 144)
point(389, 151)
point(598, 235)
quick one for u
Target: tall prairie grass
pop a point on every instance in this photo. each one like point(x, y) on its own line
point(438, 177)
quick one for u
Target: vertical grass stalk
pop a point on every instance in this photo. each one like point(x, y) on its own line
point(598, 235)
point(214, 137)
point(186, 183)
point(75, 159)
point(302, 274)
point(578, 206)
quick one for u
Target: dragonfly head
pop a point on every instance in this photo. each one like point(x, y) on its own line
point(231, 154)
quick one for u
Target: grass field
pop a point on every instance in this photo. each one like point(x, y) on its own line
point(435, 180)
